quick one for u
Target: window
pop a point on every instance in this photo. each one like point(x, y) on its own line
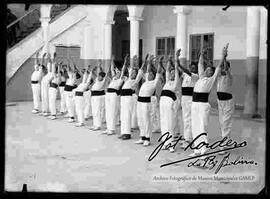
point(198, 42)
point(68, 52)
point(165, 46)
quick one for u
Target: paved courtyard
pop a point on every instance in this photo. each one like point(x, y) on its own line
point(57, 156)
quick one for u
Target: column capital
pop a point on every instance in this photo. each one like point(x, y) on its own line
point(134, 18)
point(182, 9)
point(109, 22)
point(45, 10)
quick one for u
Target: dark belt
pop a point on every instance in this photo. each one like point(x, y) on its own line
point(200, 97)
point(68, 88)
point(34, 82)
point(187, 91)
point(224, 96)
point(78, 93)
point(112, 90)
point(144, 99)
point(168, 93)
point(62, 84)
point(126, 92)
point(53, 85)
point(97, 93)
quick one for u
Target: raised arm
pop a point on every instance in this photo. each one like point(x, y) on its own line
point(224, 54)
point(51, 69)
point(36, 61)
point(43, 58)
point(124, 67)
point(179, 66)
point(112, 67)
point(176, 77)
point(90, 76)
point(200, 64)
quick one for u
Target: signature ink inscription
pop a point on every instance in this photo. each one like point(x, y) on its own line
point(209, 162)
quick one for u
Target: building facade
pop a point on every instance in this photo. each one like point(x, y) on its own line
point(103, 30)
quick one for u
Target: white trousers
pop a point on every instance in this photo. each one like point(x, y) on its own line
point(144, 119)
point(87, 104)
point(167, 115)
point(63, 107)
point(69, 96)
point(155, 116)
point(200, 112)
point(45, 95)
point(126, 110)
point(134, 121)
point(111, 110)
point(36, 95)
point(97, 102)
point(225, 109)
point(186, 115)
point(52, 100)
point(79, 107)
point(178, 120)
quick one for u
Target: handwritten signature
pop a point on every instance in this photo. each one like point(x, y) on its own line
point(210, 161)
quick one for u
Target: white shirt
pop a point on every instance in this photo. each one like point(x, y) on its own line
point(204, 85)
point(148, 87)
point(132, 83)
point(71, 78)
point(116, 83)
point(189, 81)
point(99, 85)
point(224, 83)
point(56, 79)
point(82, 87)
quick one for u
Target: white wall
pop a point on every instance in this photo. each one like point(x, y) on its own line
point(227, 26)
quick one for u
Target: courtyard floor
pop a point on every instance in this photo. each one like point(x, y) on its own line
point(53, 155)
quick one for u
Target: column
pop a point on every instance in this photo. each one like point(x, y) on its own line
point(108, 42)
point(134, 36)
point(88, 44)
point(45, 10)
point(182, 31)
point(252, 60)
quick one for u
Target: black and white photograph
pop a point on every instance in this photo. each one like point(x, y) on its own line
point(122, 98)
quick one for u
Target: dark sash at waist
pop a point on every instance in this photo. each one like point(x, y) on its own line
point(168, 93)
point(112, 90)
point(144, 99)
point(68, 88)
point(78, 93)
point(187, 91)
point(224, 96)
point(97, 93)
point(53, 85)
point(200, 97)
point(62, 84)
point(126, 92)
point(34, 82)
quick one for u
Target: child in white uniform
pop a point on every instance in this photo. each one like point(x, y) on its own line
point(144, 103)
point(225, 100)
point(190, 77)
point(112, 99)
point(200, 109)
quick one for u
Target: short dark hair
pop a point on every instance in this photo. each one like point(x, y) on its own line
point(212, 67)
point(102, 74)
